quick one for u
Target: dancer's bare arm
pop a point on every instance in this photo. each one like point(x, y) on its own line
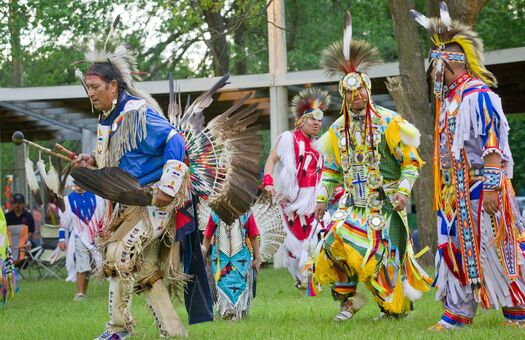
point(254, 241)
point(273, 158)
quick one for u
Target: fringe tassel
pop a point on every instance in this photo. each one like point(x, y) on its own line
point(8, 278)
point(518, 298)
point(133, 124)
point(311, 286)
point(173, 272)
point(224, 306)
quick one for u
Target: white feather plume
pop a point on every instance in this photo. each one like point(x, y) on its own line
point(420, 18)
point(31, 177)
point(41, 166)
point(347, 36)
point(79, 74)
point(112, 30)
point(53, 179)
point(443, 13)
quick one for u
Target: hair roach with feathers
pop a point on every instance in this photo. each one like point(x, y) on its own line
point(444, 31)
point(310, 99)
point(347, 56)
point(119, 57)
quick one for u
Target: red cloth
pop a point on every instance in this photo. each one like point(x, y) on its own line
point(300, 231)
point(310, 176)
point(210, 228)
point(251, 227)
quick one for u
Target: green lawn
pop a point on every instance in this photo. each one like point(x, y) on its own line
point(45, 310)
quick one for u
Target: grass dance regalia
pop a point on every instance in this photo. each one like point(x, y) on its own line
point(480, 232)
point(8, 274)
point(372, 153)
point(297, 173)
point(231, 263)
point(152, 170)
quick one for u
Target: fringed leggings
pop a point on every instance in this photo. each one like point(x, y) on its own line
point(133, 260)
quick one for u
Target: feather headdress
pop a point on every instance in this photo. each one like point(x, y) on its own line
point(346, 57)
point(350, 58)
point(122, 59)
point(310, 102)
point(444, 31)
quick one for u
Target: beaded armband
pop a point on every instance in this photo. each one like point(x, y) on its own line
point(406, 183)
point(493, 177)
point(322, 195)
point(172, 177)
point(61, 234)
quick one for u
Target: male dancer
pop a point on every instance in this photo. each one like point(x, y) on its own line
point(296, 167)
point(372, 152)
point(480, 258)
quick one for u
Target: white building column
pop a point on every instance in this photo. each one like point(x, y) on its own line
point(278, 66)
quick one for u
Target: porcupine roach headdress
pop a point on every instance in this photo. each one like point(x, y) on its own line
point(121, 58)
point(350, 58)
point(444, 31)
point(310, 102)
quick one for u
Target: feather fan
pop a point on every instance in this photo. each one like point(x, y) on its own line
point(113, 184)
point(268, 219)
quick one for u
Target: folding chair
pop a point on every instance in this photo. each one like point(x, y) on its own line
point(20, 246)
point(48, 259)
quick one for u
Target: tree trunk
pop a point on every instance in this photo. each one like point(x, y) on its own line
point(14, 41)
point(410, 93)
point(466, 11)
point(238, 38)
point(218, 44)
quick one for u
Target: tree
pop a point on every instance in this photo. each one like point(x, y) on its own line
point(30, 31)
point(312, 25)
point(14, 27)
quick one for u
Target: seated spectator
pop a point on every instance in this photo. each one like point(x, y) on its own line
point(19, 215)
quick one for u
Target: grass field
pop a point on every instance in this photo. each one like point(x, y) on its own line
point(45, 310)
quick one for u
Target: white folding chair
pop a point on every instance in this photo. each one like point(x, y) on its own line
point(48, 259)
